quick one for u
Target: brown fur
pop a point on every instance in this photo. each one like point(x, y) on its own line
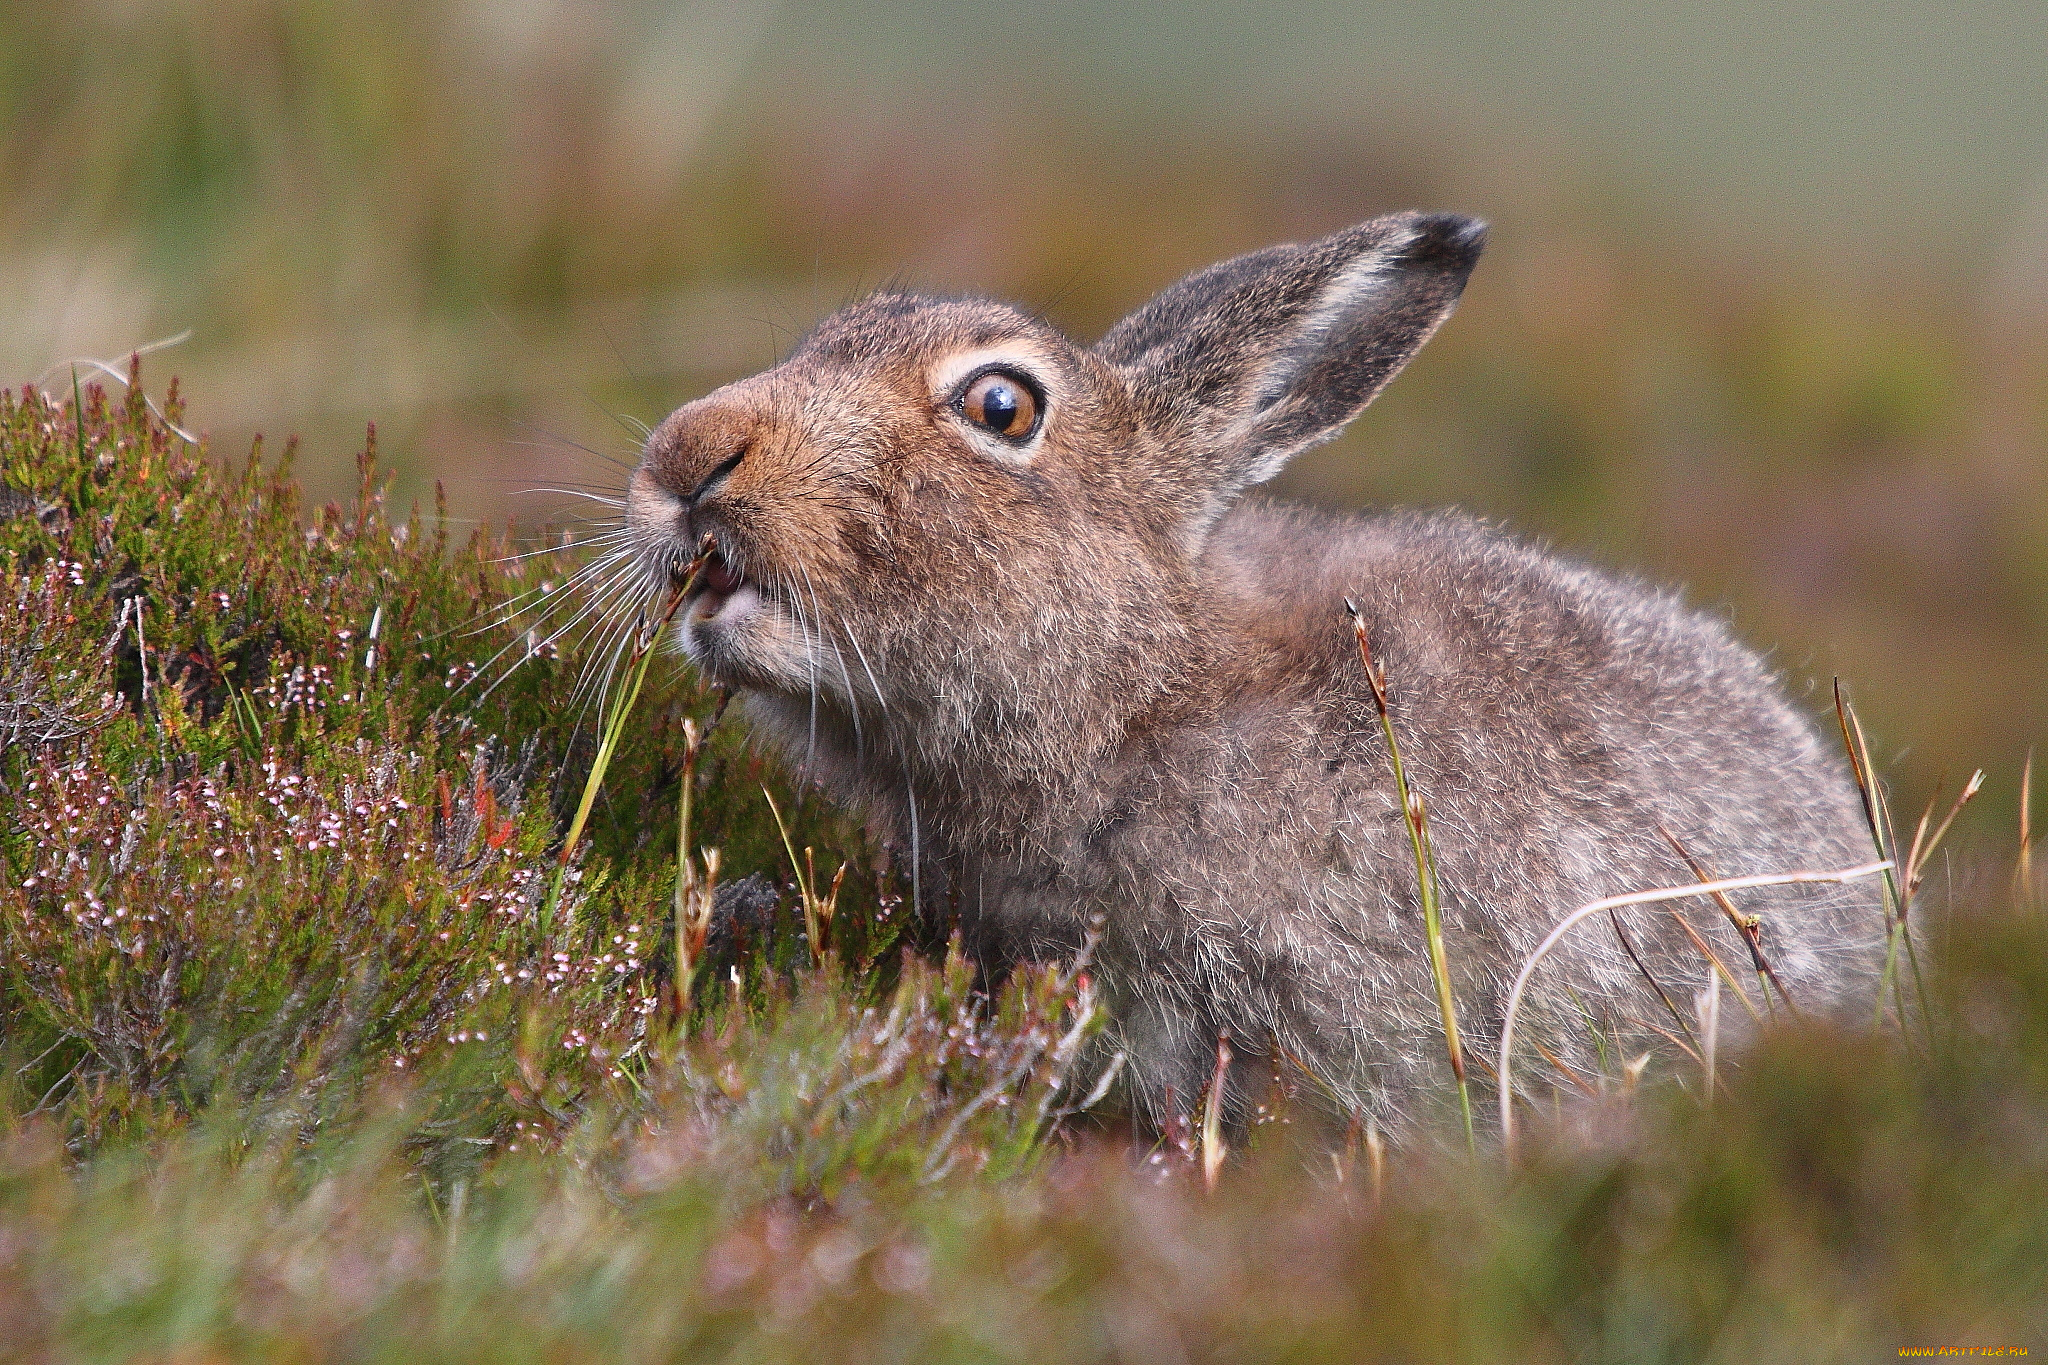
point(1085, 674)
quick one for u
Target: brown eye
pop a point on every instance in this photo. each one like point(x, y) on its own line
point(1001, 403)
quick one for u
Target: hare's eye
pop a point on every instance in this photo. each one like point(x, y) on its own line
point(1001, 403)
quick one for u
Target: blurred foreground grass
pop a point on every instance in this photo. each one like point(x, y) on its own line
point(295, 1070)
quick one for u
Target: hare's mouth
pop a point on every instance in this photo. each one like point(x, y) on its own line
point(733, 632)
point(717, 584)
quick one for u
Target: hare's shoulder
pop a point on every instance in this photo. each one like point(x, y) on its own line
point(1515, 669)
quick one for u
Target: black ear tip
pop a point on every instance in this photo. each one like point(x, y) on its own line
point(1447, 241)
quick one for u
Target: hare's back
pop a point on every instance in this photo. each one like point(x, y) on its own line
point(1551, 708)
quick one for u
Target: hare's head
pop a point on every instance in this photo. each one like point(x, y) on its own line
point(945, 509)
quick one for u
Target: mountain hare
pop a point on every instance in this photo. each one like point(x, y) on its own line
point(1007, 594)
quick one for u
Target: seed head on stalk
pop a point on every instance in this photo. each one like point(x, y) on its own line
point(819, 905)
point(1213, 1148)
point(1417, 818)
point(696, 887)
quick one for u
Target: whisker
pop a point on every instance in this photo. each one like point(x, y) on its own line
point(493, 477)
point(610, 537)
point(556, 438)
point(607, 659)
point(592, 533)
point(909, 786)
point(810, 466)
point(601, 664)
point(621, 608)
point(852, 701)
point(630, 424)
point(509, 610)
point(605, 606)
point(503, 612)
point(595, 603)
point(866, 667)
point(603, 498)
point(611, 573)
point(785, 590)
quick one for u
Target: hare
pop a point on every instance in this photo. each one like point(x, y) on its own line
point(1009, 595)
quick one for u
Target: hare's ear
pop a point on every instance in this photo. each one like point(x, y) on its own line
point(1241, 366)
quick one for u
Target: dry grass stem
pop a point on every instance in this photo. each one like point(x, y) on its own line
point(1682, 1044)
point(1878, 817)
point(1579, 1083)
point(1713, 958)
point(1629, 947)
point(2023, 870)
point(696, 887)
point(1921, 851)
point(1710, 1032)
point(1749, 927)
point(1666, 893)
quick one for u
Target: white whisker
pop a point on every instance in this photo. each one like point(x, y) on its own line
point(909, 786)
point(605, 499)
point(839, 656)
point(595, 604)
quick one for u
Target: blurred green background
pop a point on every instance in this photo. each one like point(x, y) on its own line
point(1766, 310)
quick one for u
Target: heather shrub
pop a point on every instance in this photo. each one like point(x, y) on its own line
point(283, 794)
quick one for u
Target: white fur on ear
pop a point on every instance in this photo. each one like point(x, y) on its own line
point(1352, 296)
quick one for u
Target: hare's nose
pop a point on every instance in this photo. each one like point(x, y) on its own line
point(709, 485)
point(697, 447)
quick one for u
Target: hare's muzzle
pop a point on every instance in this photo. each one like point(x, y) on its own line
point(717, 581)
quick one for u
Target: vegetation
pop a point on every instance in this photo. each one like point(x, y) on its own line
point(464, 220)
point(307, 1059)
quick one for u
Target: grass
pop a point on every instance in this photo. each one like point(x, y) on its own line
point(296, 1067)
point(1415, 815)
